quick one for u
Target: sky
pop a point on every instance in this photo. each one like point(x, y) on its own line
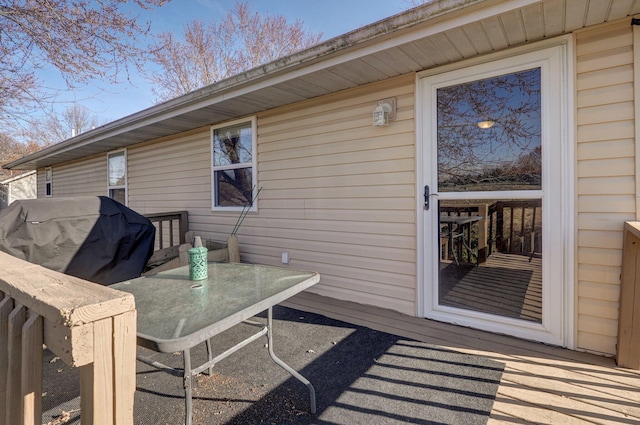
point(331, 17)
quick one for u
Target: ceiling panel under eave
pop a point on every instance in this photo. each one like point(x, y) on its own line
point(303, 88)
point(404, 44)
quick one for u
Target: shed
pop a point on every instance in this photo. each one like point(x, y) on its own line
point(22, 186)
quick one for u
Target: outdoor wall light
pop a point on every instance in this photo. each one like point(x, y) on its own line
point(384, 112)
point(486, 124)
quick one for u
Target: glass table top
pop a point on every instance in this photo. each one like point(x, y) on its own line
point(176, 313)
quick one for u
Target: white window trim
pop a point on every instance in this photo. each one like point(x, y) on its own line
point(124, 186)
point(254, 164)
point(48, 170)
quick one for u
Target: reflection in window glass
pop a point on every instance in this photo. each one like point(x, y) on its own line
point(489, 134)
point(48, 182)
point(232, 145)
point(491, 256)
point(233, 187)
point(233, 165)
point(117, 168)
point(119, 195)
point(117, 176)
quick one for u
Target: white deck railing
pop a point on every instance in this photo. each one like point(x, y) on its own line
point(87, 325)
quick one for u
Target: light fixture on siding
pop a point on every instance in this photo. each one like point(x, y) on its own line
point(384, 112)
point(486, 124)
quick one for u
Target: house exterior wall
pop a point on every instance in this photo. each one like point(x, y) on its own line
point(339, 195)
point(23, 187)
point(605, 185)
point(172, 174)
point(87, 177)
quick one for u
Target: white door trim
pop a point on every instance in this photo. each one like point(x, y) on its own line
point(563, 332)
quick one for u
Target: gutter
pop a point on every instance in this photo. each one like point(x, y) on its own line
point(215, 93)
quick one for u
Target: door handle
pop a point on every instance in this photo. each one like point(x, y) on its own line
point(427, 195)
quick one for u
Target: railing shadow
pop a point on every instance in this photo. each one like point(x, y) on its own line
point(365, 376)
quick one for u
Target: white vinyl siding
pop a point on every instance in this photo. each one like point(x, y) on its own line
point(605, 177)
point(172, 175)
point(87, 177)
point(339, 195)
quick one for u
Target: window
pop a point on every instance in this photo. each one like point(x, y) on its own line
point(234, 165)
point(48, 182)
point(117, 175)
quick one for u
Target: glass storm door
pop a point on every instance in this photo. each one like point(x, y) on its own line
point(492, 184)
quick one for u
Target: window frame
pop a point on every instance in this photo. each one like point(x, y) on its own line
point(253, 164)
point(126, 178)
point(48, 182)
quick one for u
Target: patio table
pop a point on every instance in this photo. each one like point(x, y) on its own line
point(462, 228)
point(176, 314)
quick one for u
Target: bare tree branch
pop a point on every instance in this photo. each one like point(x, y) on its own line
point(57, 127)
point(239, 41)
point(83, 39)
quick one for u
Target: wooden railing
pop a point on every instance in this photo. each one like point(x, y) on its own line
point(628, 346)
point(515, 227)
point(172, 226)
point(87, 325)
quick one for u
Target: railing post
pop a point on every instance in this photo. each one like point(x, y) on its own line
point(628, 346)
point(6, 306)
point(32, 338)
point(183, 226)
point(124, 366)
point(87, 325)
point(499, 226)
point(14, 365)
point(182, 217)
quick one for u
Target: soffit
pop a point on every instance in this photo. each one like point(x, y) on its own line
point(434, 35)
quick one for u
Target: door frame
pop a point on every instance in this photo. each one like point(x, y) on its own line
point(563, 47)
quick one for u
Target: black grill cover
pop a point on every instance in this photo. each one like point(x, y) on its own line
point(94, 238)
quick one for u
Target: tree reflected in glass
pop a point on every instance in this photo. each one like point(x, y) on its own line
point(506, 153)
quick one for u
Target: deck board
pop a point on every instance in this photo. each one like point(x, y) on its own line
point(506, 284)
point(541, 384)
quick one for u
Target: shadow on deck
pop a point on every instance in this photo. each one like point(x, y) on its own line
point(361, 376)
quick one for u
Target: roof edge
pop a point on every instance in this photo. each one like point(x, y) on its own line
point(334, 46)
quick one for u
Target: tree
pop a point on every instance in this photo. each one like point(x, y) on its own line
point(416, 3)
point(210, 52)
point(83, 39)
point(55, 128)
point(10, 150)
point(476, 157)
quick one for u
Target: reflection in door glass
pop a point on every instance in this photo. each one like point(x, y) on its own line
point(491, 257)
point(489, 134)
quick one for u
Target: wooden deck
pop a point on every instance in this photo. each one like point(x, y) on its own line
point(540, 384)
point(506, 284)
